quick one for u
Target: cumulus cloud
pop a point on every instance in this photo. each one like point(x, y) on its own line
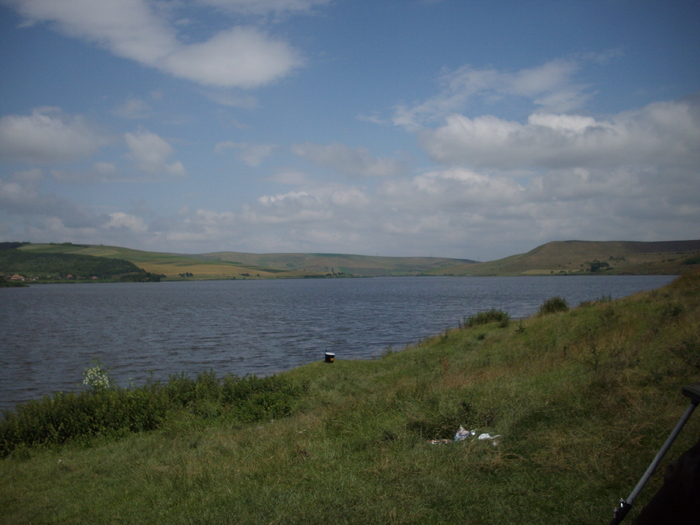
point(47, 135)
point(241, 56)
point(318, 199)
point(452, 211)
point(550, 85)
point(664, 133)
point(150, 153)
point(354, 162)
point(251, 154)
point(22, 197)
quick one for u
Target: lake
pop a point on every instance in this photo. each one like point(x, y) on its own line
point(50, 333)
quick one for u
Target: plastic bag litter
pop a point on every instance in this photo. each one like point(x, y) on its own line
point(463, 434)
point(486, 435)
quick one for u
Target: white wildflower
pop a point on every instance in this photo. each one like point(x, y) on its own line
point(96, 378)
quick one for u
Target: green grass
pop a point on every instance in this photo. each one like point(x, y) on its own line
point(591, 257)
point(57, 266)
point(226, 265)
point(582, 399)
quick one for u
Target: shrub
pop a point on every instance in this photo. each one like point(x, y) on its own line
point(553, 305)
point(64, 416)
point(488, 316)
point(105, 409)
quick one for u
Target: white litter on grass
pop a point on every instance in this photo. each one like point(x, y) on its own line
point(486, 435)
point(462, 434)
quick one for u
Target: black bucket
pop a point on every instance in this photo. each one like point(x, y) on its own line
point(330, 357)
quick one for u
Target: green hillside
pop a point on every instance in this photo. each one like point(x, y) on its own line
point(587, 257)
point(354, 265)
point(554, 258)
point(226, 265)
point(54, 266)
point(581, 401)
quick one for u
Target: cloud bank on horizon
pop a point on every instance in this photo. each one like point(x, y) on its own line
point(406, 127)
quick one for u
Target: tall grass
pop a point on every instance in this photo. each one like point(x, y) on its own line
point(107, 410)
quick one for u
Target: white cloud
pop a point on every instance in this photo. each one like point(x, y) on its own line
point(242, 56)
point(660, 134)
point(453, 211)
point(12, 193)
point(47, 135)
point(150, 153)
point(355, 162)
point(142, 31)
point(124, 220)
point(550, 85)
point(128, 28)
point(318, 199)
point(22, 197)
point(251, 154)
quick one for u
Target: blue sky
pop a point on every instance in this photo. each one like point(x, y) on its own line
point(457, 128)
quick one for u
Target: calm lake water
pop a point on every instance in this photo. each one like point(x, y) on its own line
point(49, 334)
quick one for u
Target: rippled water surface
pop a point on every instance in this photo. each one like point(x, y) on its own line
point(50, 333)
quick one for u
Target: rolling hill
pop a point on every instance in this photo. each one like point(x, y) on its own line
point(554, 258)
point(230, 265)
point(592, 257)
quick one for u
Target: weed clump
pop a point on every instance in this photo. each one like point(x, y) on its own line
point(553, 305)
point(104, 409)
point(488, 316)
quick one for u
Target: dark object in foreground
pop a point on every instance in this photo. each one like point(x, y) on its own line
point(678, 500)
point(330, 357)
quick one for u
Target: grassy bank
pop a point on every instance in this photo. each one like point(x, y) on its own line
point(582, 399)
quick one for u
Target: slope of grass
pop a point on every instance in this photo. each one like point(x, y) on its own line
point(586, 257)
point(168, 264)
point(582, 400)
point(227, 265)
point(52, 266)
point(356, 265)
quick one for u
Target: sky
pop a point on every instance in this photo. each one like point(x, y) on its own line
point(452, 128)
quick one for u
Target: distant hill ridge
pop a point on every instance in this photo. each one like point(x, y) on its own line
point(623, 246)
point(572, 257)
point(581, 257)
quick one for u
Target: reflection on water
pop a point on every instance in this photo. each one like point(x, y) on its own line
point(50, 333)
